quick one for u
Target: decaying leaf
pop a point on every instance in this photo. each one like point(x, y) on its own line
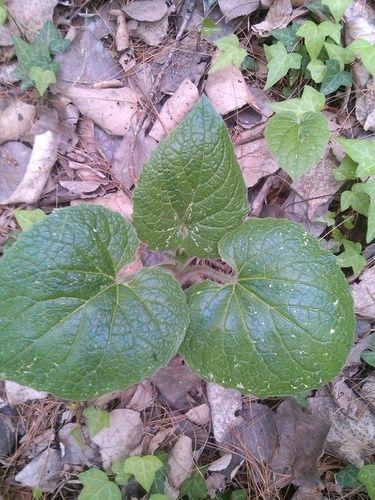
point(180, 461)
point(152, 33)
point(74, 453)
point(44, 472)
point(227, 90)
point(200, 415)
point(16, 117)
point(118, 202)
point(143, 396)
point(26, 172)
point(30, 16)
point(146, 10)
point(278, 16)
point(233, 8)
point(17, 394)
point(224, 405)
point(255, 161)
point(365, 106)
point(364, 294)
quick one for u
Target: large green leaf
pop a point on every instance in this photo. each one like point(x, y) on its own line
point(297, 142)
point(68, 322)
point(284, 325)
point(191, 192)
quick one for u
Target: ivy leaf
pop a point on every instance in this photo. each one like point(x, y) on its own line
point(194, 487)
point(366, 51)
point(316, 34)
point(230, 53)
point(143, 469)
point(311, 100)
point(346, 170)
point(122, 478)
point(351, 256)
point(286, 322)
point(69, 324)
point(3, 12)
point(337, 7)
point(341, 54)
point(287, 36)
point(297, 142)
point(191, 192)
point(317, 69)
point(42, 78)
point(97, 486)
point(369, 188)
point(348, 477)
point(159, 496)
point(334, 78)
point(97, 420)
point(320, 10)
point(208, 27)
point(355, 198)
point(367, 476)
point(279, 63)
point(361, 151)
point(50, 37)
point(27, 218)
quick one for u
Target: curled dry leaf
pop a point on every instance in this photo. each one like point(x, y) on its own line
point(224, 404)
point(200, 415)
point(44, 472)
point(175, 109)
point(180, 461)
point(26, 174)
point(278, 16)
point(17, 394)
point(364, 294)
point(112, 109)
point(121, 437)
point(146, 10)
point(16, 118)
point(143, 396)
point(118, 202)
point(255, 161)
point(233, 8)
point(30, 16)
point(227, 90)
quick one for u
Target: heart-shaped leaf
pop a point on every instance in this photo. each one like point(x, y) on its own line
point(97, 486)
point(69, 324)
point(284, 325)
point(191, 192)
point(297, 142)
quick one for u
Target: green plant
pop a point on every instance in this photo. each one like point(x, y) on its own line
point(3, 12)
point(230, 52)
point(76, 321)
point(36, 65)
point(353, 477)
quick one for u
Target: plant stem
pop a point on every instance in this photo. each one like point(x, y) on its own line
point(191, 272)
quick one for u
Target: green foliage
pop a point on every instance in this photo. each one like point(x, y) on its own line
point(121, 477)
point(346, 170)
point(348, 477)
point(351, 256)
point(311, 100)
point(317, 70)
point(230, 53)
point(337, 7)
point(97, 419)
point(194, 488)
point(35, 63)
point(3, 12)
point(367, 476)
point(97, 486)
point(342, 55)
point(208, 27)
point(276, 321)
point(334, 78)
point(279, 63)
point(27, 218)
point(366, 52)
point(143, 469)
point(369, 355)
point(316, 34)
point(287, 36)
point(361, 151)
point(190, 193)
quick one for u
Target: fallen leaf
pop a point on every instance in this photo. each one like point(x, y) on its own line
point(365, 106)
point(199, 415)
point(121, 437)
point(80, 188)
point(175, 109)
point(232, 8)
point(7, 73)
point(17, 394)
point(152, 33)
point(180, 461)
point(364, 294)
point(118, 202)
point(112, 109)
point(74, 453)
point(227, 90)
point(143, 396)
point(308, 493)
point(146, 10)
point(16, 118)
point(159, 438)
point(224, 405)
point(5, 36)
point(215, 483)
point(26, 174)
point(30, 16)
point(44, 472)
point(255, 161)
point(278, 16)
point(368, 388)
point(8, 432)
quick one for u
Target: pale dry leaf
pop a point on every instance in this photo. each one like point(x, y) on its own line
point(364, 294)
point(122, 33)
point(38, 443)
point(30, 16)
point(255, 161)
point(74, 453)
point(5, 36)
point(7, 73)
point(17, 394)
point(234, 8)
point(16, 118)
point(221, 463)
point(215, 483)
point(359, 22)
point(368, 389)
point(44, 472)
point(118, 202)
point(227, 90)
point(80, 188)
point(308, 493)
point(159, 438)
point(143, 396)
point(152, 33)
point(365, 106)
point(200, 415)
point(224, 405)
point(278, 16)
point(175, 109)
point(180, 461)
point(112, 109)
point(146, 10)
point(121, 437)
point(24, 183)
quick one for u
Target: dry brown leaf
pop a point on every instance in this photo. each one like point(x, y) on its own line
point(17, 394)
point(152, 33)
point(75, 453)
point(365, 106)
point(233, 8)
point(146, 10)
point(44, 472)
point(364, 294)
point(308, 493)
point(227, 90)
point(80, 188)
point(112, 109)
point(143, 396)
point(16, 118)
point(7, 74)
point(30, 16)
point(224, 404)
point(26, 174)
point(200, 415)
point(5, 36)
point(118, 202)
point(159, 438)
point(278, 16)
point(175, 109)
point(121, 437)
point(255, 161)
point(180, 461)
